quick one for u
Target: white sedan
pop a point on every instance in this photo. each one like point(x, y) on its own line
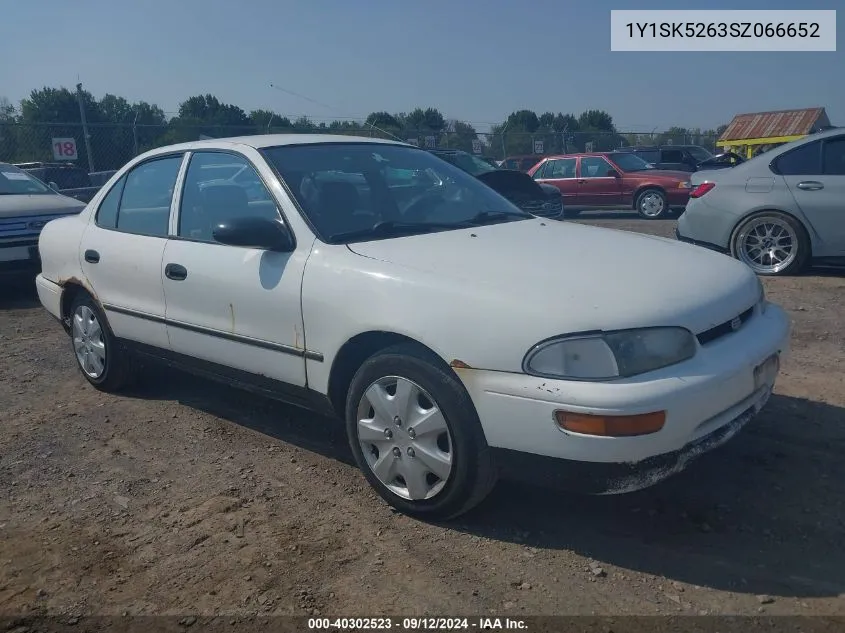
point(458, 336)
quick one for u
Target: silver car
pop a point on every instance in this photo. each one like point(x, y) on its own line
point(26, 205)
point(779, 211)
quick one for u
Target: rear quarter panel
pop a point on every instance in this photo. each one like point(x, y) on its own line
point(58, 247)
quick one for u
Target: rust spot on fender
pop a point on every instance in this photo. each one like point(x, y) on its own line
point(459, 364)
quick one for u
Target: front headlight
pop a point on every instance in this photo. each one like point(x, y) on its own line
point(610, 355)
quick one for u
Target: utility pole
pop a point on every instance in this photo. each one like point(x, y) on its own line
point(135, 132)
point(85, 127)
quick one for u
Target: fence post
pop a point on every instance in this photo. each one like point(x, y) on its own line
point(84, 128)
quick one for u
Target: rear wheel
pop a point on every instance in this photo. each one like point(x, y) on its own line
point(99, 357)
point(771, 243)
point(416, 436)
point(652, 204)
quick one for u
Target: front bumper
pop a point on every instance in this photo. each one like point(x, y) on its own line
point(700, 396)
point(19, 257)
point(600, 478)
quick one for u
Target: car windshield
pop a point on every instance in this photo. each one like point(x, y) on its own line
point(14, 181)
point(699, 153)
point(469, 163)
point(366, 191)
point(630, 162)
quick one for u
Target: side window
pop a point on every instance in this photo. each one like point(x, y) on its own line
point(672, 156)
point(834, 156)
point(107, 213)
point(561, 168)
point(145, 204)
point(801, 161)
point(218, 187)
point(649, 156)
point(594, 167)
point(539, 173)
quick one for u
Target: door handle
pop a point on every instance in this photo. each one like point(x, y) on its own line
point(176, 272)
point(581, 181)
point(92, 257)
point(810, 185)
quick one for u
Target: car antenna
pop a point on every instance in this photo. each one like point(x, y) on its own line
point(335, 110)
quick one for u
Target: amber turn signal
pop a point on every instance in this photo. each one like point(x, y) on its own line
point(611, 425)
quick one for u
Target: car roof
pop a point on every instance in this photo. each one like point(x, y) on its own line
point(579, 154)
point(260, 141)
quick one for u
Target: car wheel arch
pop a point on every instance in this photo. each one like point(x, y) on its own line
point(358, 349)
point(642, 188)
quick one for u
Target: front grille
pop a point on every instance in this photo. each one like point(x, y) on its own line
point(708, 336)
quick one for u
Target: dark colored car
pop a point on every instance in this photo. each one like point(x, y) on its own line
point(613, 180)
point(671, 157)
point(521, 163)
point(65, 178)
point(518, 187)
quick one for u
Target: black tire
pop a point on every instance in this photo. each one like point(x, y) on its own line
point(473, 473)
point(802, 242)
point(646, 194)
point(118, 371)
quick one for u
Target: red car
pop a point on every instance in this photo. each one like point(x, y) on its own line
point(613, 180)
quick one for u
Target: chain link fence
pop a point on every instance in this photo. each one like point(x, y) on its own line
point(109, 146)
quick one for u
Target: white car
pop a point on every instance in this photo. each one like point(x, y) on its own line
point(458, 336)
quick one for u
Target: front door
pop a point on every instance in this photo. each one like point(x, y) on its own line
point(121, 250)
point(228, 305)
point(597, 186)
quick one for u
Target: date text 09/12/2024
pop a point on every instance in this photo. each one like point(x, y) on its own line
point(416, 624)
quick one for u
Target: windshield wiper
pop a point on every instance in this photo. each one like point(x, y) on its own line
point(388, 228)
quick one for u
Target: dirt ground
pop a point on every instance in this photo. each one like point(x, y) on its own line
point(188, 497)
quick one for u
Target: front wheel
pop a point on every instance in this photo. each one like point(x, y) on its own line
point(416, 436)
point(771, 243)
point(652, 204)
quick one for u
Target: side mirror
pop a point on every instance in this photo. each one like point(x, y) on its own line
point(53, 186)
point(614, 174)
point(255, 232)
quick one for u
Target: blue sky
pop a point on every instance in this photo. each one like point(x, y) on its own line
point(474, 60)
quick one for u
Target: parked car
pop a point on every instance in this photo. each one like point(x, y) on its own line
point(443, 326)
point(537, 198)
point(721, 161)
point(777, 212)
point(26, 205)
point(99, 178)
point(521, 163)
point(671, 157)
point(609, 180)
point(65, 178)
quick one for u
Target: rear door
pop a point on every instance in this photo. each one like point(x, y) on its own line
point(122, 249)
point(560, 172)
point(815, 174)
point(597, 187)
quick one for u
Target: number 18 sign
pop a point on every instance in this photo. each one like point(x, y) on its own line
point(64, 149)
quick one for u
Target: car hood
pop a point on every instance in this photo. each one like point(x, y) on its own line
point(15, 206)
point(565, 277)
point(512, 184)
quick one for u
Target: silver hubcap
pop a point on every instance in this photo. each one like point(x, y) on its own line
point(767, 245)
point(651, 204)
point(88, 342)
point(404, 438)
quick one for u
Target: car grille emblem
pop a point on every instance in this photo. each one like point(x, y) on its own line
point(735, 323)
